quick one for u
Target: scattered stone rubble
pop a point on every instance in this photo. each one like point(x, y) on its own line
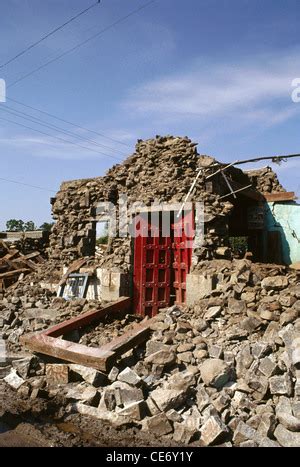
point(161, 170)
point(224, 371)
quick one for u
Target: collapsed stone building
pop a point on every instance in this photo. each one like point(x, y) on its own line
point(219, 364)
point(160, 175)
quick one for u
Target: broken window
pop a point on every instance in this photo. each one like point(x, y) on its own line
point(75, 287)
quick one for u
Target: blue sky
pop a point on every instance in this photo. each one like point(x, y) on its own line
point(219, 71)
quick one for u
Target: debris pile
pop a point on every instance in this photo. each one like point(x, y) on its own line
point(15, 265)
point(224, 371)
point(265, 180)
point(161, 170)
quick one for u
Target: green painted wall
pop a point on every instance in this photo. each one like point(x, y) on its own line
point(285, 218)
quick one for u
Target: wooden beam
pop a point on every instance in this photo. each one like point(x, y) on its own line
point(122, 305)
point(281, 196)
point(70, 351)
point(6, 275)
point(103, 358)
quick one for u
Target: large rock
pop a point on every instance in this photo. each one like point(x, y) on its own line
point(161, 357)
point(159, 425)
point(167, 399)
point(213, 431)
point(129, 376)
point(281, 385)
point(13, 380)
point(90, 375)
point(215, 372)
point(287, 438)
point(289, 421)
point(274, 283)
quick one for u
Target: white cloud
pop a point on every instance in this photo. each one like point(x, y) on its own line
point(253, 90)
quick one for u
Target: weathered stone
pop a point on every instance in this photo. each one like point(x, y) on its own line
point(281, 385)
point(268, 367)
point(152, 407)
point(84, 393)
point(57, 374)
point(113, 374)
point(213, 431)
point(215, 372)
point(185, 357)
point(268, 443)
point(212, 312)
point(203, 399)
point(289, 421)
point(129, 376)
point(159, 425)
point(244, 432)
point(167, 399)
point(134, 411)
point(182, 380)
point(275, 283)
point(182, 434)
point(164, 357)
point(91, 376)
point(23, 366)
point(266, 425)
point(236, 306)
point(287, 438)
point(215, 351)
point(13, 380)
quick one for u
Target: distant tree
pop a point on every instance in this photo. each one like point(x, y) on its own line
point(14, 225)
point(47, 226)
point(29, 226)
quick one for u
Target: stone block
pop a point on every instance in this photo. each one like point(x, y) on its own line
point(90, 375)
point(159, 425)
point(281, 385)
point(215, 372)
point(197, 286)
point(57, 374)
point(213, 431)
point(130, 377)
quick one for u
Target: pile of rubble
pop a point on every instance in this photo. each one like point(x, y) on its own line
point(161, 170)
point(14, 265)
point(224, 371)
point(265, 180)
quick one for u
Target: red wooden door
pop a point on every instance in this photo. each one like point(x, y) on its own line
point(152, 267)
point(183, 234)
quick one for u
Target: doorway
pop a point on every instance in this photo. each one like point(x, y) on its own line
point(162, 260)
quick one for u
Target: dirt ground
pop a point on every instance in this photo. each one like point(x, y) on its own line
point(41, 423)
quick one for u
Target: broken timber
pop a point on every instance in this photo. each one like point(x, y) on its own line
point(102, 358)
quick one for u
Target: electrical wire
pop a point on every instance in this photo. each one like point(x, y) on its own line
point(26, 184)
point(67, 121)
point(98, 34)
point(31, 118)
point(56, 137)
point(51, 33)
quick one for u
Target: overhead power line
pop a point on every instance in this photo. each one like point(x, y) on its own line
point(51, 33)
point(26, 184)
point(80, 44)
point(68, 122)
point(33, 119)
point(56, 137)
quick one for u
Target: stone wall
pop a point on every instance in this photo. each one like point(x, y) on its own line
point(161, 170)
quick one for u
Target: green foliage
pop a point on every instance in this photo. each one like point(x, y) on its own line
point(47, 226)
point(14, 225)
point(102, 240)
point(239, 245)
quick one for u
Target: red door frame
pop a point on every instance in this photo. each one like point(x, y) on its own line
point(155, 258)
